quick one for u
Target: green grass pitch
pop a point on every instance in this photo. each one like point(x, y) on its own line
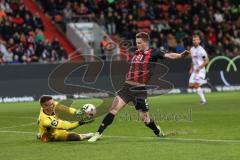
point(209, 132)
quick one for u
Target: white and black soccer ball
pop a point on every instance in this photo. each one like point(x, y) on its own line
point(89, 109)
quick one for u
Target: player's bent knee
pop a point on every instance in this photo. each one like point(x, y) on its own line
point(117, 105)
point(191, 85)
point(194, 85)
point(114, 110)
point(73, 137)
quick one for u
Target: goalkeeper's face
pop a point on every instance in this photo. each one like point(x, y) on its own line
point(48, 106)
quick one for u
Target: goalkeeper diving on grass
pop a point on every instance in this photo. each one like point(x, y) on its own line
point(53, 128)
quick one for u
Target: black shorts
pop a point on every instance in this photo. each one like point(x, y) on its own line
point(135, 94)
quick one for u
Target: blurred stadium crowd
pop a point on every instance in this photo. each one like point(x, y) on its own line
point(22, 39)
point(170, 24)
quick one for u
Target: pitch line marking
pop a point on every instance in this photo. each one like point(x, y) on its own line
point(23, 117)
point(17, 132)
point(165, 138)
point(22, 125)
point(179, 139)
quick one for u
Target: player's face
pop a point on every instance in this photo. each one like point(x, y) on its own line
point(141, 45)
point(196, 41)
point(48, 106)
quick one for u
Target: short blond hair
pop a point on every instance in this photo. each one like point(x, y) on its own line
point(144, 36)
point(196, 36)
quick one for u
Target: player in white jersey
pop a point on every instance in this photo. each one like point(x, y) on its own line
point(197, 70)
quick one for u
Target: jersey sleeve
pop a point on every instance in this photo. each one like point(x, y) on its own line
point(72, 110)
point(64, 109)
point(59, 124)
point(159, 54)
point(204, 53)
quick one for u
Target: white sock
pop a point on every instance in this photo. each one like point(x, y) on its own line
point(86, 136)
point(201, 95)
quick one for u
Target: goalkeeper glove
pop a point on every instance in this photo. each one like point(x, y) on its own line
point(85, 121)
point(80, 111)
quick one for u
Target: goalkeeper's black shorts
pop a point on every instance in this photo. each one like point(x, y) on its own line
point(135, 94)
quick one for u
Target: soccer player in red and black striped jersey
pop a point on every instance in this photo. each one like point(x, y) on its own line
point(133, 90)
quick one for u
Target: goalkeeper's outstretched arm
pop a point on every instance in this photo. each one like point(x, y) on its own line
point(61, 124)
point(65, 109)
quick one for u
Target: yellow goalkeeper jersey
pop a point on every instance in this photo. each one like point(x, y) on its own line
point(51, 123)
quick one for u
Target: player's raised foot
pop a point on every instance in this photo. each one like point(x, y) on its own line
point(95, 137)
point(203, 103)
point(159, 132)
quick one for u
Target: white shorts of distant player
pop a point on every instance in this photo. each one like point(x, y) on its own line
point(198, 77)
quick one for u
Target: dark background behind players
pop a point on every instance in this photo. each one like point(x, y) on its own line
point(168, 22)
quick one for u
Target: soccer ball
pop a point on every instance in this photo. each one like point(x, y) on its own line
point(89, 109)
